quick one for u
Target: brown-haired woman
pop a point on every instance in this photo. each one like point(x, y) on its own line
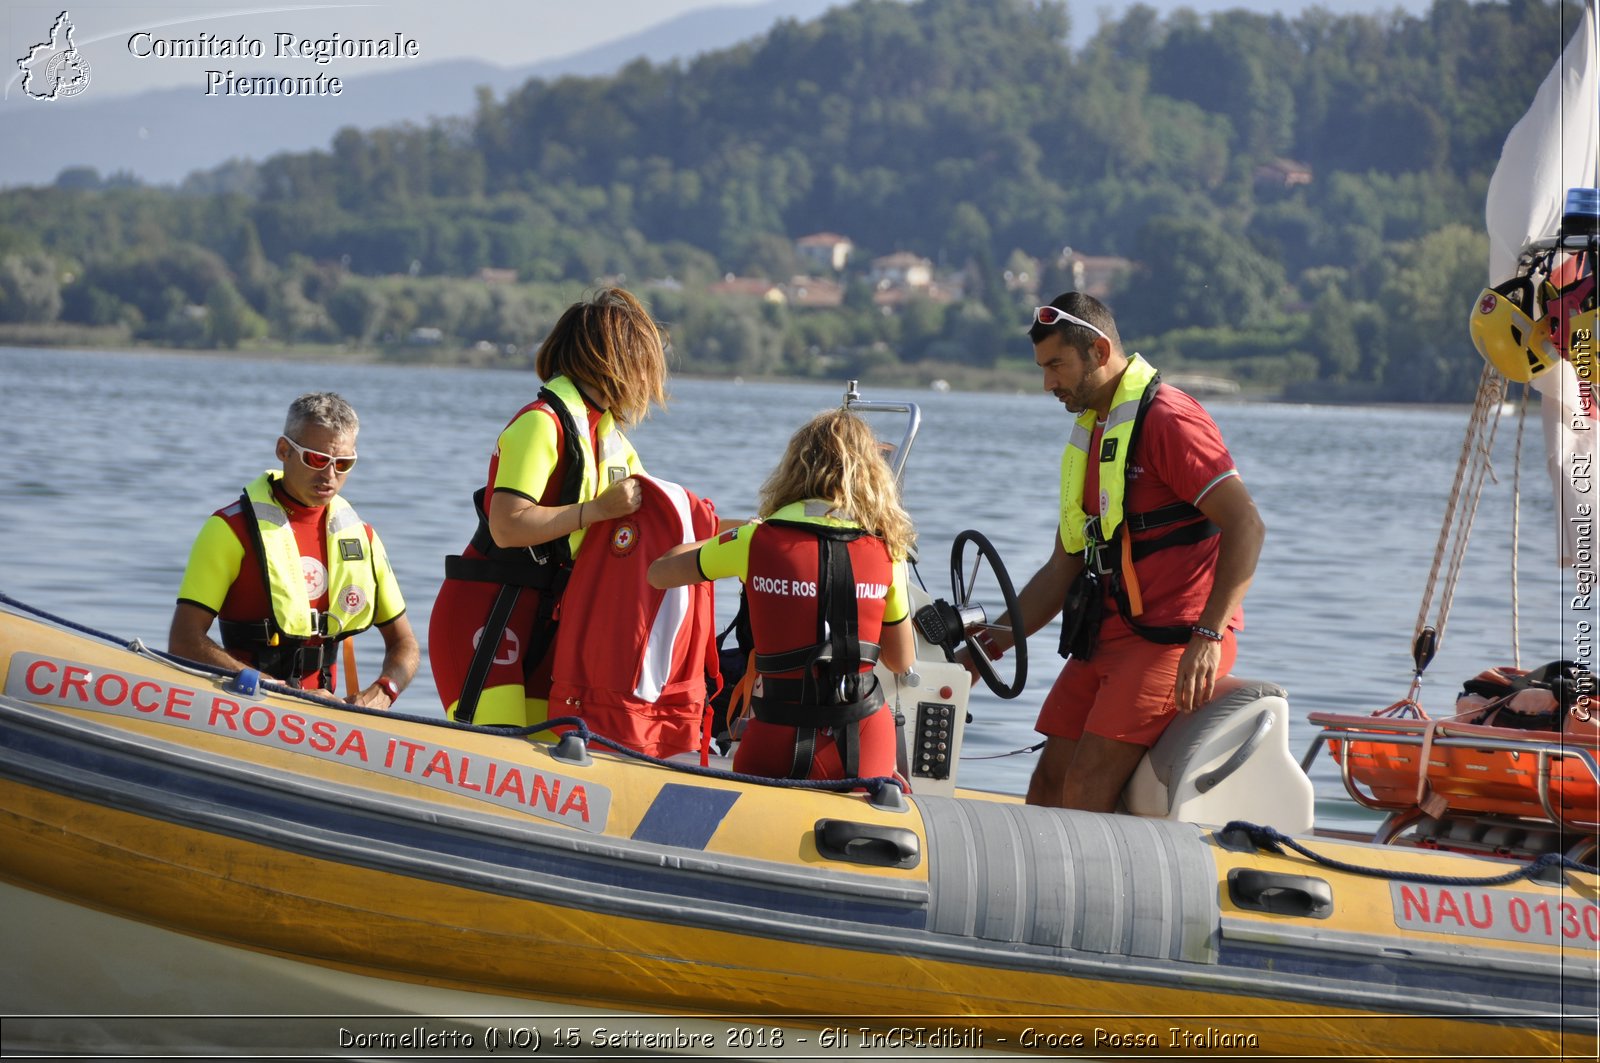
point(825, 582)
point(561, 464)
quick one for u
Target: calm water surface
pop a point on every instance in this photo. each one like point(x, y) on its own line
point(112, 461)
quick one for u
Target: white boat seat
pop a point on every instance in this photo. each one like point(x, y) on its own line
point(1229, 760)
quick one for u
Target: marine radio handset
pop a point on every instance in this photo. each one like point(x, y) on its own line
point(949, 624)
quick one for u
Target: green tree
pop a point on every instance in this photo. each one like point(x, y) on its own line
point(1426, 304)
point(29, 290)
point(356, 309)
point(1198, 273)
point(229, 319)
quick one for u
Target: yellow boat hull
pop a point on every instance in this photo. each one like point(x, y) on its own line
point(381, 863)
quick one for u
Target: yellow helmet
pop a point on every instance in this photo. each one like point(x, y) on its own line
point(1505, 334)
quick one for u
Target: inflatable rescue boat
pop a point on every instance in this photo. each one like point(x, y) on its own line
point(178, 843)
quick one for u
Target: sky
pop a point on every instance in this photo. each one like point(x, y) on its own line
point(503, 32)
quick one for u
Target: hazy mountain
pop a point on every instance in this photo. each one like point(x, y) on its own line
point(164, 134)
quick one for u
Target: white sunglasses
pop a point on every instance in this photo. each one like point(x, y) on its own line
point(1054, 315)
point(317, 460)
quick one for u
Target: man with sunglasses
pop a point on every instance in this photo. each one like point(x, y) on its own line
point(290, 571)
point(1156, 545)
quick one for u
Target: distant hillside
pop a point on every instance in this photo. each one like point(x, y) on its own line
point(165, 134)
point(1288, 203)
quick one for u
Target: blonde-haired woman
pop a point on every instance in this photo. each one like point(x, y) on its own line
point(824, 577)
point(561, 464)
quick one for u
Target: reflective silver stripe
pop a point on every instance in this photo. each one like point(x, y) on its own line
point(1080, 438)
point(815, 508)
point(1121, 415)
point(268, 513)
point(342, 518)
point(612, 444)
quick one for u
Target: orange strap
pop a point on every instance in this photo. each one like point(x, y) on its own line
point(1130, 578)
point(352, 684)
point(1431, 803)
point(739, 697)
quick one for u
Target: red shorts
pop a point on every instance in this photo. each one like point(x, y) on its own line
point(1125, 691)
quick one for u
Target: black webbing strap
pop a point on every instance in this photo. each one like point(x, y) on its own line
point(483, 656)
point(780, 702)
point(794, 660)
point(838, 607)
point(1187, 535)
point(1161, 516)
point(805, 748)
point(493, 570)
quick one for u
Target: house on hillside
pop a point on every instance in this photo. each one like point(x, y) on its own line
point(902, 269)
point(1282, 173)
point(824, 251)
point(814, 292)
point(749, 287)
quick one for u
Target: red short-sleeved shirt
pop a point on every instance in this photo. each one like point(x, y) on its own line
point(1179, 457)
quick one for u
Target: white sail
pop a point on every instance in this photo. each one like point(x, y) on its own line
point(1553, 148)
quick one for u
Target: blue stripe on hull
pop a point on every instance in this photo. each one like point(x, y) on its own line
point(685, 816)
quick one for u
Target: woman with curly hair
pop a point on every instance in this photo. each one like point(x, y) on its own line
point(824, 576)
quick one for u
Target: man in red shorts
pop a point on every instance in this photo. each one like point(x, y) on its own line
point(1158, 540)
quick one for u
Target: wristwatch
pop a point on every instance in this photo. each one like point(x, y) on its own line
point(388, 686)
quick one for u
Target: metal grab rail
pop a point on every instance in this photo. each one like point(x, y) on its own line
point(856, 404)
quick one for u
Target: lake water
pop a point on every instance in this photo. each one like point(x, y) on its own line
point(112, 461)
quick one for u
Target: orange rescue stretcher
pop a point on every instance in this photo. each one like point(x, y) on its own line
point(1414, 768)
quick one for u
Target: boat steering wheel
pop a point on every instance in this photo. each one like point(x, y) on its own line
point(950, 624)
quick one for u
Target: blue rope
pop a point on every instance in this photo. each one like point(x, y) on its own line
point(873, 785)
point(1273, 840)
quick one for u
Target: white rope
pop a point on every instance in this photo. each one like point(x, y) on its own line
point(1471, 471)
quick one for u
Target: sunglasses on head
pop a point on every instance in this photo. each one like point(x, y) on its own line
point(1054, 315)
point(317, 460)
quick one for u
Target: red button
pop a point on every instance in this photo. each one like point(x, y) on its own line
point(946, 693)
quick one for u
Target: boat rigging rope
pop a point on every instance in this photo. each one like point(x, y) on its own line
point(1001, 756)
point(1476, 451)
point(874, 786)
point(1516, 530)
point(1237, 834)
